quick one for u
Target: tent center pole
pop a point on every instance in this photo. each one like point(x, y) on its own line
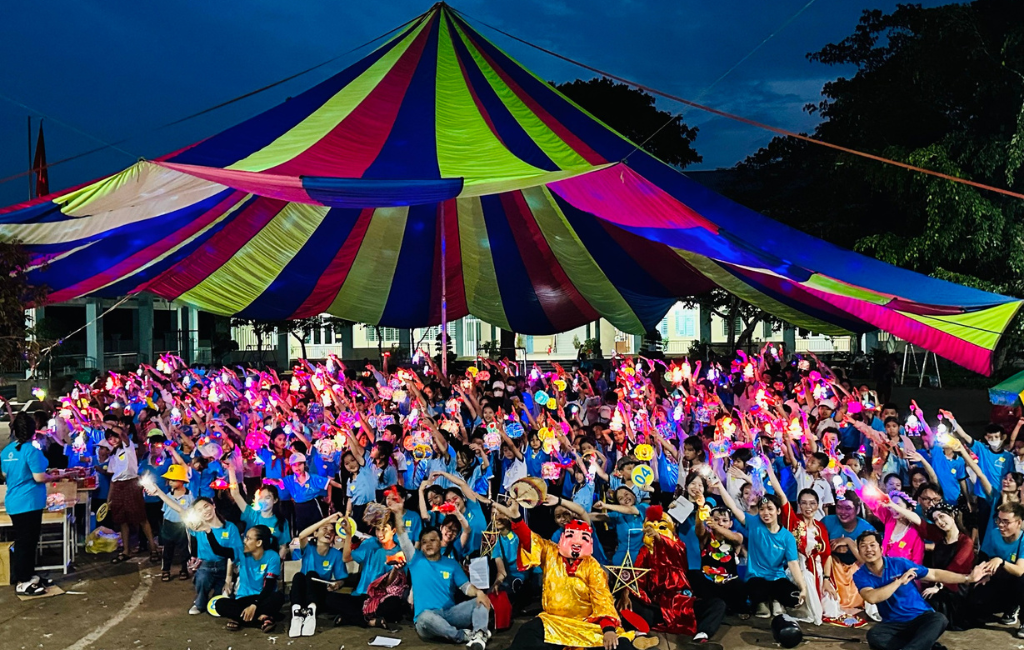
point(444, 298)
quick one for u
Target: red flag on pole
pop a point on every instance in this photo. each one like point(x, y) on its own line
point(39, 165)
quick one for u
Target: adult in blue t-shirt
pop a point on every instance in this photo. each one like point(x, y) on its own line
point(257, 600)
point(314, 588)
point(888, 582)
point(24, 468)
point(434, 581)
point(771, 550)
point(1003, 551)
point(845, 525)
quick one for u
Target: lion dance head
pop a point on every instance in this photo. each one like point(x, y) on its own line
point(658, 524)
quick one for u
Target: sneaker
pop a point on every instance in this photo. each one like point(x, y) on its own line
point(1020, 632)
point(1009, 618)
point(762, 611)
point(298, 616)
point(476, 641)
point(700, 637)
point(309, 622)
point(194, 610)
point(778, 609)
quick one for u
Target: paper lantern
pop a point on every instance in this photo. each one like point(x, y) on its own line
point(550, 471)
point(644, 452)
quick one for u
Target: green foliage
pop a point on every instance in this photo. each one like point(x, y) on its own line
point(939, 88)
point(587, 349)
point(15, 297)
point(632, 113)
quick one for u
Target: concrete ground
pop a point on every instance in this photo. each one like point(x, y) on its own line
point(126, 607)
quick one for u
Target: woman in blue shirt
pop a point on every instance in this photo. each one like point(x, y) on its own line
point(323, 573)
point(257, 600)
point(265, 510)
point(24, 469)
point(772, 550)
point(628, 518)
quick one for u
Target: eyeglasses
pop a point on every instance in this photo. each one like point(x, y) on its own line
point(1005, 522)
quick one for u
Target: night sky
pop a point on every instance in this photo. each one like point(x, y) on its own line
point(114, 68)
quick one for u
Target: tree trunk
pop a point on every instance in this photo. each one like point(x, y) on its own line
point(731, 325)
point(380, 343)
point(747, 335)
point(302, 344)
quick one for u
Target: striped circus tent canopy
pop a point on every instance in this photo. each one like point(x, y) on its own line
point(439, 151)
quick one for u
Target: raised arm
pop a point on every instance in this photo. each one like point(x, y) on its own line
point(730, 503)
point(773, 480)
point(236, 496)
point(986, 485)
point(308, 531)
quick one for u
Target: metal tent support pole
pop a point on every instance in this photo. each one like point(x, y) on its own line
point(444, 298)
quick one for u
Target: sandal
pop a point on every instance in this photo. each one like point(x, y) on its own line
point(165, 576)
point(183, 575)
point(31, 589)
point(232, 626)
point(121, 557)
point(154, 555)
point(267, 624)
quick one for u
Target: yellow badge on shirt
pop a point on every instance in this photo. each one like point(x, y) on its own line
point(445, 575)
point(263, 567)
point(510, 536)
point(327, 563)
point(903, 544)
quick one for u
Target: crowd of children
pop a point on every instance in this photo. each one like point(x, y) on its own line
point(759, 486)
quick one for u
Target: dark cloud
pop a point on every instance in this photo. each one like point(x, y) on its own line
point(114, 68)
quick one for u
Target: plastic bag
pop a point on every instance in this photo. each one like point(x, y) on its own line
point(102, 540)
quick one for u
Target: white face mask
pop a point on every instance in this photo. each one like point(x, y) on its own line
point(995, 445)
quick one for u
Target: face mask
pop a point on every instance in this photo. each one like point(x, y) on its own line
point(994, 446)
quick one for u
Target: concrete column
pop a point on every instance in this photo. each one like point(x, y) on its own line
point(347, 349)
point(32, 318)
point(94, 332)
point(705, 325)
point(405, 340)
point(870, 341)
point(789, 338)
point(460, 337)
point(282, 358)
point(638, 341)
point(188, 325)
point(144, 338)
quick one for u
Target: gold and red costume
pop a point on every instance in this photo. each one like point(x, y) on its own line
point(665, 585)
point(577, 602)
